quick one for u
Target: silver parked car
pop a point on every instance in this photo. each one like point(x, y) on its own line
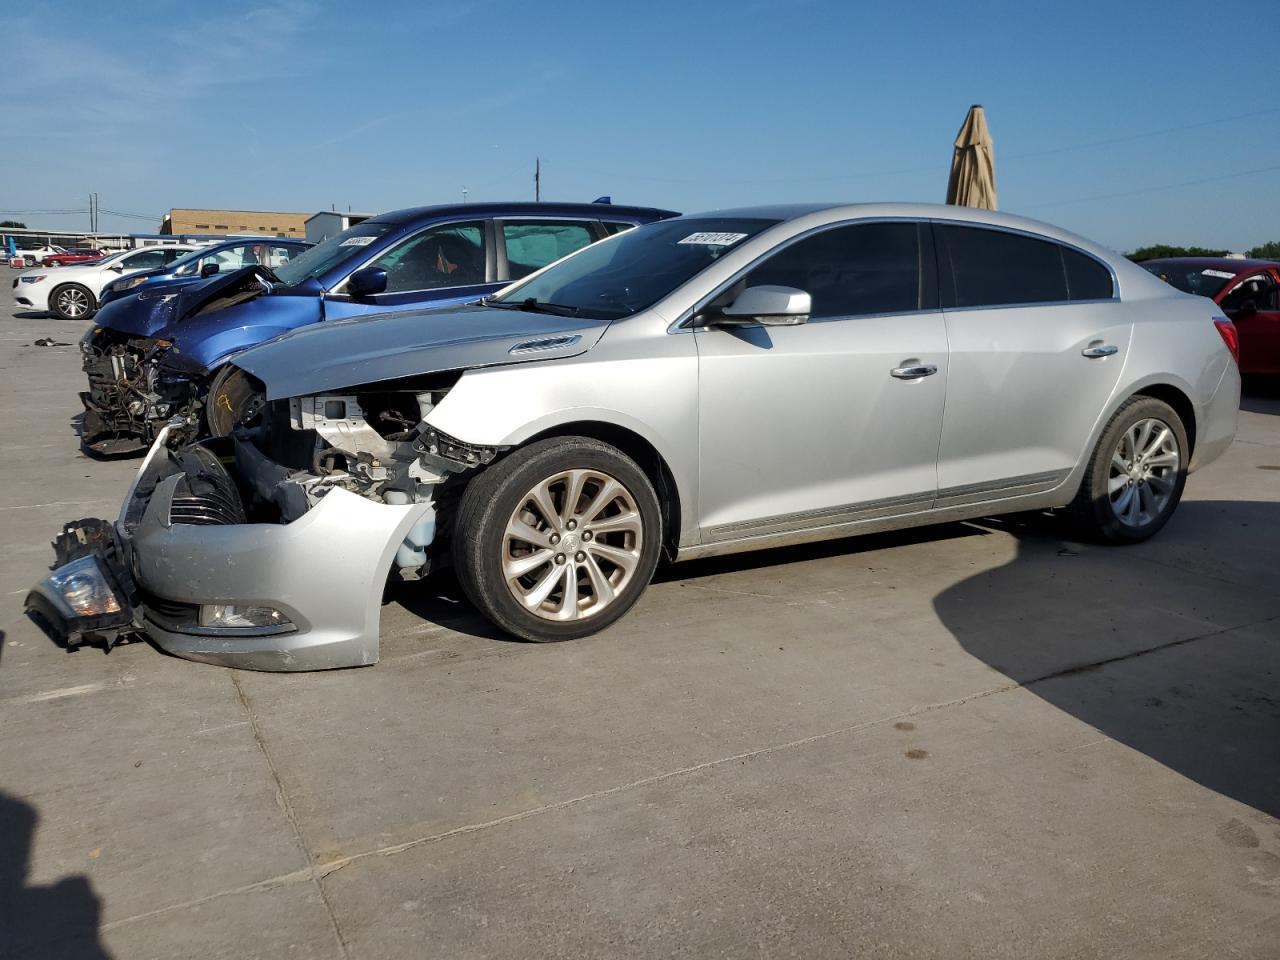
point(702, 385)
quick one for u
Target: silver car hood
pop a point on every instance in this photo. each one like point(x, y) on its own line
point(346, 353)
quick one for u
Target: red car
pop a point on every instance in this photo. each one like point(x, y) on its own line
point(1248, 292)
point(73, 256)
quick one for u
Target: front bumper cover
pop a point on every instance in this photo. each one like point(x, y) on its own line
point(325, 572)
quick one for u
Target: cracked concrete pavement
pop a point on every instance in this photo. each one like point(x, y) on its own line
point(978, 740)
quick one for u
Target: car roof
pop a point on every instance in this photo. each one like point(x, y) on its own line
point(821, 213)
point(603, 211)
point(1232, 264)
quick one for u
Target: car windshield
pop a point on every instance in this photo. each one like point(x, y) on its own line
point(329, 253)
point(1202, 281)
point(632, 271)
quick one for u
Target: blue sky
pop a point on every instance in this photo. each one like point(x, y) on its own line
point(1094, 107)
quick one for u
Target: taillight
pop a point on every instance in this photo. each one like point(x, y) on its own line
point(1230, 336)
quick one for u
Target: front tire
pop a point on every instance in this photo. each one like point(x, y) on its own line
point(1136, 475)
point(71, 301)
point(558, 540)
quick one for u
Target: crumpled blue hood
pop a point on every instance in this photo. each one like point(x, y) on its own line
point(363, 350)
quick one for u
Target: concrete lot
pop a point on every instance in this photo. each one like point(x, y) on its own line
point(972, 741)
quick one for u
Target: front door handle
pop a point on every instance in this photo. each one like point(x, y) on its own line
point(1099, 349)
point(913, 370)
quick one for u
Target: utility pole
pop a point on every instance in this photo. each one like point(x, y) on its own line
point(537, 178)
point(464, 193)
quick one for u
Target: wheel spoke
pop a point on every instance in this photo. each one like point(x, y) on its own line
point(518, 529)
point(569, 601)
point(1118, 462)
point(600, 584)
point(1121, 505)
point(542, 589)
point(573, 493)
point(1162, 460)
point(1116, 484)
point(607, 493)
point(1157, 441)
point(540, 497)
point(1161, 486)
point(519, 566)
point(628, 522)
point(625, 559)
point(1141, 434)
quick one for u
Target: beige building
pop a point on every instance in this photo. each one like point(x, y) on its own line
point(258, 222)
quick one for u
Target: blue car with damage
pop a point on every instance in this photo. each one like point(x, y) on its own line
point(157, 356)
point(204, 263)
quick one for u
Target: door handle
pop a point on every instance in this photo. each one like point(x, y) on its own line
point(1099, 349)
point(913, 370)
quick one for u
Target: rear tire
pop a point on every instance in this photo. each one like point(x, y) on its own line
point(558, 540)
point(71, 301)
point(1136, 475)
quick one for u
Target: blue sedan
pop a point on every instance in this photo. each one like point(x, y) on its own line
point(204, 263)
point(152, 356)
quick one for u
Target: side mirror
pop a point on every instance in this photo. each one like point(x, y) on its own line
point(367, 281)
point(767, 306)
point(208, 269)
point(117, 267)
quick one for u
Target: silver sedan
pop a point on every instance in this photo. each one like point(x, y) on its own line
point(708, 384)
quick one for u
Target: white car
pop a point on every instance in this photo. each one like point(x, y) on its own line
point(72, 292)
point(34, 256)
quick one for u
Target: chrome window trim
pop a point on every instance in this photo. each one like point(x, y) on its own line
point(1115, 279)
point(684, 323)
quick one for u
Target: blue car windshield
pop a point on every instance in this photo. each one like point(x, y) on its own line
point(632, 271)
point(327, 254)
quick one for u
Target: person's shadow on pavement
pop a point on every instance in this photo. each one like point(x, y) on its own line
point(57, 922)
point(1172, 648)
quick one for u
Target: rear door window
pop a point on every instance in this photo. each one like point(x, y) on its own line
point(449, 255)
point(531, 245)
point(854, 270)
point(984, 268)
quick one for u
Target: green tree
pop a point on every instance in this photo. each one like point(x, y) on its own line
point(1268, 251)
point(13, 223)
point(1158, 250)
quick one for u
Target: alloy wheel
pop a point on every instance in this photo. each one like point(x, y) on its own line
point(1144, 472)
point(572, 544)
point(73, 302)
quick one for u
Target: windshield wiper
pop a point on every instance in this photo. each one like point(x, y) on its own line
point(534, 306)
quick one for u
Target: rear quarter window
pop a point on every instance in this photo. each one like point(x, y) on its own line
point(983, 268)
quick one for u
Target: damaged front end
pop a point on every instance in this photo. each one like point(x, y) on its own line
point(131, 397)
point(270, 549)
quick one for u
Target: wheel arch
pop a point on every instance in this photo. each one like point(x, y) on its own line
point(646, 456)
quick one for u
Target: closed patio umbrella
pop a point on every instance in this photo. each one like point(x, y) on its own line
point(973, 167)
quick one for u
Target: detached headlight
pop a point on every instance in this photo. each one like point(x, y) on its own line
point(83, 585)
point(36, 279)
point(234, 615)
point(130, 283)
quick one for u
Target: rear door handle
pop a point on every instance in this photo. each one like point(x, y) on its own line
point(913, 370)
point(1099, 349)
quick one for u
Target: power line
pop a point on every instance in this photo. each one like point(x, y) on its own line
point(1168, 186)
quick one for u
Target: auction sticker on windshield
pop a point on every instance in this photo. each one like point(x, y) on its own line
point(714, 239)
point(356, 242)
point(1220, 274)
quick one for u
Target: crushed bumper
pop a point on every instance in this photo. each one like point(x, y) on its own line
point(323, 574)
